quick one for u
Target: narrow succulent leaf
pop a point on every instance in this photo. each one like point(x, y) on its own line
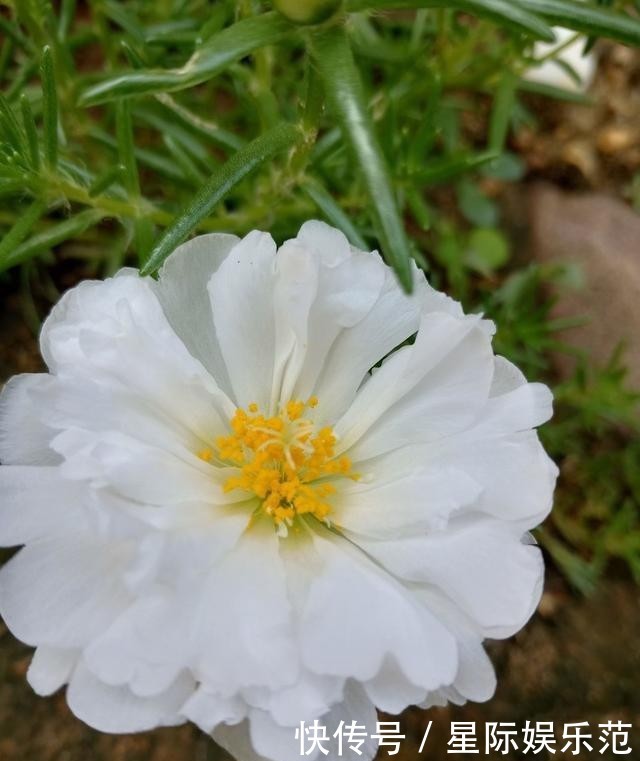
point(30, 131)
point(52, 236)
point(16, 234)
point(126, 149)
point(557, 93)
point(9, 127)
point(333, 213)
point(450, 167)
point(345, 95)
point(503, 12)
point(224, 179)
point(106, 180)
point(596, 21)
point(12, 31)
point(49, 108)
point(502, 110)
point(218, 52)
point(65, 19)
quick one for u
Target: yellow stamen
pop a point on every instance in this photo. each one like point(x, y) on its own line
point(283, 460)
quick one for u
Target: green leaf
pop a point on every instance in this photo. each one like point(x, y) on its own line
point(557, 93)
point(487, 250)
point(215, 55)
point(52, 236)
point(20, 229)
point(106, 180)
point(124, 136)
point(582, 17)
point(503, 12)
point(30, 131)
point(333, 213)
point(49, 108)
point(476, 207)
point(224, 179)
point(345, 95)
point(446, 168)
point(502, 110)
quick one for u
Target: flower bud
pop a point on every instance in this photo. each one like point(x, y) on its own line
point(307, 11)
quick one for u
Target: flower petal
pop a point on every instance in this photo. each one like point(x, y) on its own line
point(421, 500)
point(62, 592)
point(366, 616)
point(24, 438)
point(118, 710)
point(182, 292)
point(114, 336)
point(37, 503)
point(241, 293)
point(242, 632)
point(422, 392)
point(483, 566)
point(50, 668)
point(392, 319)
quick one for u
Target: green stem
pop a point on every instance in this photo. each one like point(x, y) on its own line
point(345, 96)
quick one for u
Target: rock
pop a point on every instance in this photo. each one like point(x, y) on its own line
point(601, 235)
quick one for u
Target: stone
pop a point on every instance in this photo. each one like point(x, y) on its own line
point(602, 235)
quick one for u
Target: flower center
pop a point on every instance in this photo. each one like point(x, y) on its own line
point(284, 460)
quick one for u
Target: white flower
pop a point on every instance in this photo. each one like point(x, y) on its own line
point(229, 519)
point(555, 68)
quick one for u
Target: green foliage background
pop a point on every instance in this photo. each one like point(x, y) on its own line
point(127, 126)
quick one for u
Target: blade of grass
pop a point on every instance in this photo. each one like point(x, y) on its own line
point(14, 236)
point(333, 213)
point(503, 12)
point(52, 236)
point(345, 95)
point(30, 131)
point(236, 168)
point(225, 47)
point(599, 22)
point(49, 108)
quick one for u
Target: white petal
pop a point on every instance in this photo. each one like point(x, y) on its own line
point(243, 629)
point(421, 500)
point(62, 592)
point(392, 319)
point(296, 287)
point(334, 289)
point(516, 474)
point(24, 438)
point(143, 648)
point(476, 677)
point(311, 696)
point(325, 242)
point(422, 392)
point(366, 616)
point(355, 707)
point(241, 292)
point(114, 336)
point(208, 710)
point(236, 740)
point(483, 566)
point(140, 472)
point(182, 292)
point(50, 668)
point(391, 690)
point(118, 710)
point(38, 503)
point(279, 743)
point(521, 409)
